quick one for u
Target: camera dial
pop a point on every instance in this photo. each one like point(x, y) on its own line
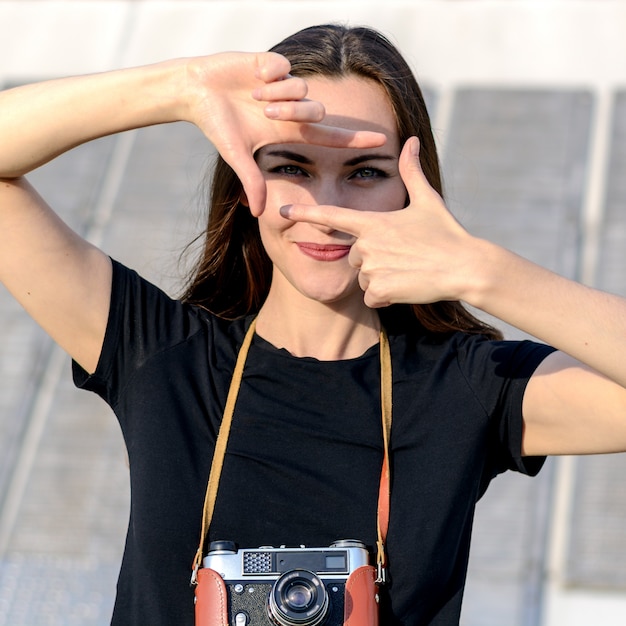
point(223, 547)
point(298, 598)
point(348, 543)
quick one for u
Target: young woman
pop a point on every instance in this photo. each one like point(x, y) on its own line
point(329, 225)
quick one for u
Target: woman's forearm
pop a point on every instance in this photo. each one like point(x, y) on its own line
point(225, 95)
point(588, 324)
point(40, 121)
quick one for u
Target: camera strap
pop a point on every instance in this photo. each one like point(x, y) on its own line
point(384, 491)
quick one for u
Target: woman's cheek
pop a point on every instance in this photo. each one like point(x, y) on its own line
point(282, 192)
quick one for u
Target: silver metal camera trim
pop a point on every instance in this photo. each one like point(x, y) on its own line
point(229, 564)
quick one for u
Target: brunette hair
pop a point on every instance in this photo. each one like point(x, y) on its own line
point(232, 277)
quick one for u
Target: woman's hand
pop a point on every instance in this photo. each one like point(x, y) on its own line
point(241, 101)
point(417, 255)
point(575, 401)
point(245, 101)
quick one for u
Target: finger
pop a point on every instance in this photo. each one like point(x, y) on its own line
point(335, 137)
point(371, 297)
point(355, 257)
point(271, 66)
point(308, 111)
point(374, 302)
point(409, 163)
point(411, 170)
point(377, 293)
point(252, 181)
point(364, 282)
point(288, 89)
point(348, 221)
point(304, 130)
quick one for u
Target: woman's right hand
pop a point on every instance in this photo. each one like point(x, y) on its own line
point(245, 101)
point(60, 279)
point(241, 101)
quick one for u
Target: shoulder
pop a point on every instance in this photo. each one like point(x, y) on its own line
point(146, 325)
point(473, 356)
point(137, 304)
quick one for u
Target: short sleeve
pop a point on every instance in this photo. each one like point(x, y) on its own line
point(498, 373)
point(143, 321)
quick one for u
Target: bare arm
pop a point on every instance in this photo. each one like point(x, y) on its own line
point(63, 281)
point(43, 120)
point(60, 279)
point(576, 400)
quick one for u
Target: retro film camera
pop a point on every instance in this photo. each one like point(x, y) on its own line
point(296, 586)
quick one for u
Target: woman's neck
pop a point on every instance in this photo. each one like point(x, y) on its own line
point(325, 332)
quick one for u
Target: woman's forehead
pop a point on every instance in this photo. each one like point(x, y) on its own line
point(354, 102)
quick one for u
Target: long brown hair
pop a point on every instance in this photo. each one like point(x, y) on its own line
point(233, 275)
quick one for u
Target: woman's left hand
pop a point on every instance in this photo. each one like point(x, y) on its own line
point(419, 254)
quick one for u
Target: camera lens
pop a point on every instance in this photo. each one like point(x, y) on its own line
point(298, 598)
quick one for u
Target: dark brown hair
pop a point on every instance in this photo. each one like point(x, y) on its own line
point(233, 275)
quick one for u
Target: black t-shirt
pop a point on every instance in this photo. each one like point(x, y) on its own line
point(305, 450)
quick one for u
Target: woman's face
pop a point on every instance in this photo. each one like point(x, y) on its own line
point(312, 260)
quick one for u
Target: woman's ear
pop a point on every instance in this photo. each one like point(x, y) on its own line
point(243, 199)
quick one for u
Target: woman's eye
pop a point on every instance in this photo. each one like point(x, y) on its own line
point(289, 170)
point(369, 172)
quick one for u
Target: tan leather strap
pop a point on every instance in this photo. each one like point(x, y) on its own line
point(384, 492)
point(220, 446)
point(222, 440)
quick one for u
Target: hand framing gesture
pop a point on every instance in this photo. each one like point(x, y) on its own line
point(418, 254)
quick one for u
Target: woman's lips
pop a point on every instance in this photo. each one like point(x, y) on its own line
point(324, 252)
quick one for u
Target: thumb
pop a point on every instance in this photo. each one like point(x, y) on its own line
point(252, 182)
point(411, 169)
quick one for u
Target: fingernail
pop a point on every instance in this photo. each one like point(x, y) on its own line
point(415, 147)
point(272, 111)
point(256, 94)
point(285, 211)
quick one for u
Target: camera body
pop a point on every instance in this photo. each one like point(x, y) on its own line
point(300, 586)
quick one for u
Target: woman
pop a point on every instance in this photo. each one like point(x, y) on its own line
point(323, 232)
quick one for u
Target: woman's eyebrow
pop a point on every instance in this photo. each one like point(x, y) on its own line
point(300, 158)
point(370, 157)
point(287, 154)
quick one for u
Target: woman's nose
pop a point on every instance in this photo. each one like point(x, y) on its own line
point(327, 193)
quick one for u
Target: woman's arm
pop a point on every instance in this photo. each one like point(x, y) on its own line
point(240, 101)
point(576, 400)
point(60, 279)
point(43, 120)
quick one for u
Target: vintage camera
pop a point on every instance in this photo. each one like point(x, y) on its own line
point(292, 586)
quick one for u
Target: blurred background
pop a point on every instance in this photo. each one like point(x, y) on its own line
point(528, 104)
